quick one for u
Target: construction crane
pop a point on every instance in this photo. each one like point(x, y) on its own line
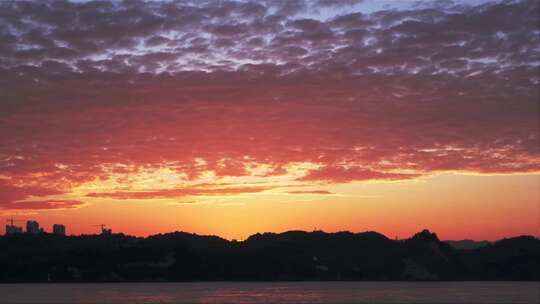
point(104, 230)
point(11, 220)
point(100, 225)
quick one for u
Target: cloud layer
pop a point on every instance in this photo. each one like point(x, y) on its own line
point(99, 89)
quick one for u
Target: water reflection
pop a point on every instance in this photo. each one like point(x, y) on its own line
point(292, 292)
point(257, 293)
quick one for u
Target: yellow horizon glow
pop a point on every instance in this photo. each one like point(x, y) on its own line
point(456, 206)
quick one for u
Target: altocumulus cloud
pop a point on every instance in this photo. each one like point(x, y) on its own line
point(93, 89)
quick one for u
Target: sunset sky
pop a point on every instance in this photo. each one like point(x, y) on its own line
point(237, 117)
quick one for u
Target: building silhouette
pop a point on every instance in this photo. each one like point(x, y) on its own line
point(104, 231)
point(32, 227)
point(59, 229)
point(12, 229)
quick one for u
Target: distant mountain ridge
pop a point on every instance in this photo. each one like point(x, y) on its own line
point(292, 255)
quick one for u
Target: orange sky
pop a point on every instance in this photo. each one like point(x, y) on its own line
point(456, 206)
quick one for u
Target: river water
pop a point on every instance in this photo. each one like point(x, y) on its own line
point(273, 292)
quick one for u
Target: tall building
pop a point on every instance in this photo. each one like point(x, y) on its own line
point(12, 229)
point(59, 229)
point(32, 227)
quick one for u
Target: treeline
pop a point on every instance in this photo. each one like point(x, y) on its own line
point(293, 255)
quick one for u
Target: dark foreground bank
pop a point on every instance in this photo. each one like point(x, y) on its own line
point(294, 255)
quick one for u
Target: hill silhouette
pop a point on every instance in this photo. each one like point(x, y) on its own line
point(292, 255)
point(467, 244)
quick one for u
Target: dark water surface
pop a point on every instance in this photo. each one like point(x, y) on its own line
point(271, 292)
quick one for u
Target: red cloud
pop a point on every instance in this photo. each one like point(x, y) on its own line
point(342, 175)
point(398, 91)
point(172, 193)
point(42, 205)
point(12, 193)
